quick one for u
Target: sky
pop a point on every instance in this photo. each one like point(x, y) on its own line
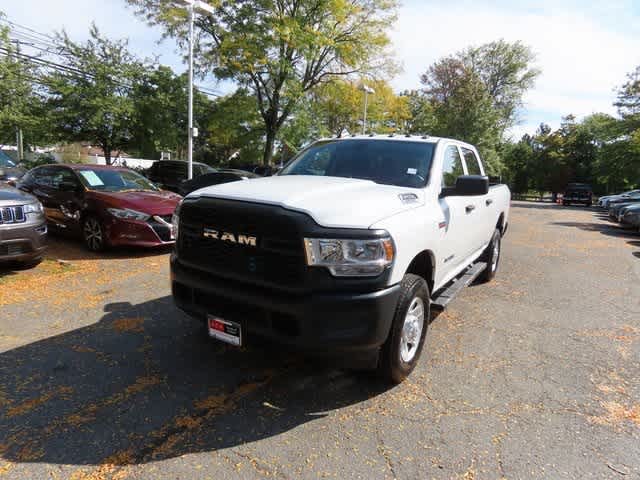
point(583, 48)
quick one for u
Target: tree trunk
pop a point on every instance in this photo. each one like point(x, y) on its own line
point(106, 150)
point(268, 146)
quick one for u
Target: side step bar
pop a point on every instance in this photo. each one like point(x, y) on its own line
point(444, 296)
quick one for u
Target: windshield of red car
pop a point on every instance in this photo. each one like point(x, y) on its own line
point(114, 180)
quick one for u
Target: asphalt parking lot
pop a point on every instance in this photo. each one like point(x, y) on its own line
point(535, 375)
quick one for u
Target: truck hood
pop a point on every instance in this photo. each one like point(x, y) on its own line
point(330, 201)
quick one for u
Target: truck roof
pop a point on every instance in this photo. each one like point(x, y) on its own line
point(399, 137)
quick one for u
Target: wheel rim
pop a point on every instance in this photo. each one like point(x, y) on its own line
point(93, 234)
point(495, 254)
point(412, 330)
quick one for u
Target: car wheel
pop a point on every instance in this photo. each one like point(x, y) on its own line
point(401, 351)
point(93, 234)
point(492, 257)
point(565, 203)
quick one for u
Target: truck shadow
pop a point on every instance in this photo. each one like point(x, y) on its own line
point(144, 384)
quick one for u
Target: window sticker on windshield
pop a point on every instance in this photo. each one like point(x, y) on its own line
point(91, 177)
point(412, 171)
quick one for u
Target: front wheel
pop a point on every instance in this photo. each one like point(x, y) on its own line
point(492, 257)
point(93, 234)
point(402, 349)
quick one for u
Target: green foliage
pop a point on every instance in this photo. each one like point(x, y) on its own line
point(597, 150)
point(20, 103)
point(92, 99)
point(474, 96)
point(282, 49)
point(232, 130)
point(160, 102)
point(338, 107)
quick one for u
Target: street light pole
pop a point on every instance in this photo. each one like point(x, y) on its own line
point(207, 9)
point(190, 121)
point(367, 91)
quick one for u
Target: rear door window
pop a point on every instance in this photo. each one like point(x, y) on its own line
point(473, 165)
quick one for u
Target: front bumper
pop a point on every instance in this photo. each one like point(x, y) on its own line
point(328, 322)
point(122, 232)
point(23, 242)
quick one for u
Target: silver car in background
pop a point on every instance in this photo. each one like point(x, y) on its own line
point(23, 229)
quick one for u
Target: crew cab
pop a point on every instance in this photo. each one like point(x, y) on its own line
point(345, 251)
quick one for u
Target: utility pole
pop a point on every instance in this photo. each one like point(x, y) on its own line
point(19, 139)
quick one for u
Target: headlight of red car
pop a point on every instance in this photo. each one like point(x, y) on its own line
point(128, 214)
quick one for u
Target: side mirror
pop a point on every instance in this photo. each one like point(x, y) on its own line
point(468, 186)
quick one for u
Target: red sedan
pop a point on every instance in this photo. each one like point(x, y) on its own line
point(107, 206)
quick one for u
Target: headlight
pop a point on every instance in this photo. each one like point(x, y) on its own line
point(33, 208)
point(128, 214)
point(350, 258)
point(175, 221)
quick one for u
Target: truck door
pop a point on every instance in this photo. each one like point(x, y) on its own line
point(457, 222)
point(483, 215)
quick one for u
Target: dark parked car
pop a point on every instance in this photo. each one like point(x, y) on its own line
point(578, 193)
point(169, 174)
point(218, 177)
point(9, 171)
point(23, 229)
point(107, 206)
point(617, 206)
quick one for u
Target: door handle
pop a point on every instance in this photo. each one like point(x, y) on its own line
point(489, 201)
point(470, 208)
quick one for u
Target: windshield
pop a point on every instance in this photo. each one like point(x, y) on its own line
point(389, 162)
point(5, 160)
point(115, 180)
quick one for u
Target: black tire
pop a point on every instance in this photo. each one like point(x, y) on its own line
point(492, 257)
point(565, 203)
point(394, 365)
point(93, 234)
point(29, 264)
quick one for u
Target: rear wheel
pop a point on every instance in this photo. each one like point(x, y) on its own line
point(491, 257)
point(93, 234)
point(401, 351)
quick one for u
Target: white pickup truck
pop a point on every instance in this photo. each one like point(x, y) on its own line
point(345, 251)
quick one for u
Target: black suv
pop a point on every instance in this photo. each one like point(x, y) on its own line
point(169, 174)
point(578, 193)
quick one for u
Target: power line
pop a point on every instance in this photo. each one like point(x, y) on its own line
point(44, 43)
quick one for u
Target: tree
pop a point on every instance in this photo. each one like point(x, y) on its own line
point(628, 101)
point(160, 102)
point(232, 130)
point(91, 98)
point(338, 107)
point(21, 107)
point(282, 49)
point(505, 70)
point(462, 107)
point(475, 95)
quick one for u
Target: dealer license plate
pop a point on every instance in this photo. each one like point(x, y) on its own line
point(225, 330)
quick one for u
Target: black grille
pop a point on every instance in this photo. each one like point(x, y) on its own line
point(277, 259)
point(162, 229)
point(12, 215)
point(14, 248)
